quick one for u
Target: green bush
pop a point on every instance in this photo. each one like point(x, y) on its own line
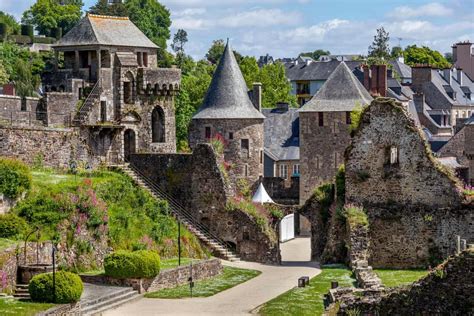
point(15, 177)
point(138, 264)
point(12, 226)
point(69, 287)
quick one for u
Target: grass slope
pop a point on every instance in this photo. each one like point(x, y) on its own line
point(392, 278)
point(308, 300)
point(230, 277)
point(9, 306)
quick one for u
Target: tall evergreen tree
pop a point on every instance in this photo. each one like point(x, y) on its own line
point(380, 46)
point(179, 40)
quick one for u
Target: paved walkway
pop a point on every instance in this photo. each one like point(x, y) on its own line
point(239, 300)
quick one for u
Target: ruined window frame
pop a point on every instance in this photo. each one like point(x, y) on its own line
point(207, 132)
point(158, 125)
point(320, 119)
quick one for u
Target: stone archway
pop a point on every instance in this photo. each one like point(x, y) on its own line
point(129, 143)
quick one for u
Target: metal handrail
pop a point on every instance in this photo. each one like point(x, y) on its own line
point(82, 109)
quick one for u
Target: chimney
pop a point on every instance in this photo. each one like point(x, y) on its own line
point(382, 80)
point(420, 75)
point(283, 106)
point(419, 100)
point(459, 76)
point(447, 75)
point(366, 77)
point(257, 96)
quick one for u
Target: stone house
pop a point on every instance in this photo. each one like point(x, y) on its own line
point(229, 114)
point(324, 128)
point(107, 94)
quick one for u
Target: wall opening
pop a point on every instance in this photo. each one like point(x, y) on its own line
point(158, 125)
point(295, 239)
point(129, 143)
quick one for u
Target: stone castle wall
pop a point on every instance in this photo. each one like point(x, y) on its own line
point(11, 112)
point(411, 238)
point(414, 178)
point(196, 181)
point(321, 149)
point(245, 164)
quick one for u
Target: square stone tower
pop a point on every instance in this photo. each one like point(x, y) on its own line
point(324, 128)
point(228, 113)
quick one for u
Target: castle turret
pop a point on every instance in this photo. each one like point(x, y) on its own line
point(228, 114)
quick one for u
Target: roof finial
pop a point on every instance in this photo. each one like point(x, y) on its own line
point(227, 41)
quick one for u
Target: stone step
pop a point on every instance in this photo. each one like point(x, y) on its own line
point(99, 311)
point(96, 301)
point(116, 300)
point(21, 295)
point(22, 286)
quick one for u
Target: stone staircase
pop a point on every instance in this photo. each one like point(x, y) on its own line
point(21, 291)
point(110, 301)
point(83, 111)
point(218, 246)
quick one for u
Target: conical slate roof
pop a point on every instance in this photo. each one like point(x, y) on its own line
point(105, 30)
point(227, 96)
point(341, 92)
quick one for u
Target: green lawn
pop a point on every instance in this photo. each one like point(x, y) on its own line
point(308, 300)
point(172, 263)
point(392, 278)
point(9, 306)
point(230, 277)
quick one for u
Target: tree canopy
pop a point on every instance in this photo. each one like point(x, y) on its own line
point(425, 55)
point(380, 47)
point(152, 18)
point(48, 15)
point(216, 50)
point(103, 7)
point(179, 40)
point(316, 54)
point(9, 20)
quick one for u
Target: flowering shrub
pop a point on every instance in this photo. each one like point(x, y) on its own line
point(468, 191)
point(218, 142)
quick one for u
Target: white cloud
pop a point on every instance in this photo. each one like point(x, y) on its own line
point(431, 9)
point(189, 12)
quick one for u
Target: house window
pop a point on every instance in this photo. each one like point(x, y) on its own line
point(348, 118)
point(145, 59)
point(284, 171)
point(296, 170)
point(158, 125)
point(261, 156)
point(393, 155)
point(139, 59)
point(207, 132)
point(321, 118)
point(246, 170)
point(231, 135)
point(23, 104)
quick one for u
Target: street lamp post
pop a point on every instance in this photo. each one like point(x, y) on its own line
point(179, 243)
point(54, 273)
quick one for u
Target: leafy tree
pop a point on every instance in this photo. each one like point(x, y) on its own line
point(103, 7)
point(316, 54)
point(250, 71)
point(179, 40)
point(9, 20)
point(152, 18)
point(397, 51)
point(47, 15)
point(380, 47)
point(26, 83)
point(449, 57)
point(275, 86)
point(3, 74)
point(425, 55)
point(215, 52)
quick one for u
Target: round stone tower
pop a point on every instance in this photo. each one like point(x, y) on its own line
point(227, 114)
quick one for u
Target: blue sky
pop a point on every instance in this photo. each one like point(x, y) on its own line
point(284, 28)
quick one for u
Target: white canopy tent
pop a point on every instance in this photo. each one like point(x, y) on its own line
point(261, 196)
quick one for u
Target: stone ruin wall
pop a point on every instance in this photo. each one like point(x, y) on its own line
point(197, 183)
point(415, 208)
point(415, 180)
point(446, 290)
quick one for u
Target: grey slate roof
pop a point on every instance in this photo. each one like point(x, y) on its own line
point(318, 70)
point(341, 92)
point(107, 31)
point(227, 96)
point(281, 128)
point(403, 70)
